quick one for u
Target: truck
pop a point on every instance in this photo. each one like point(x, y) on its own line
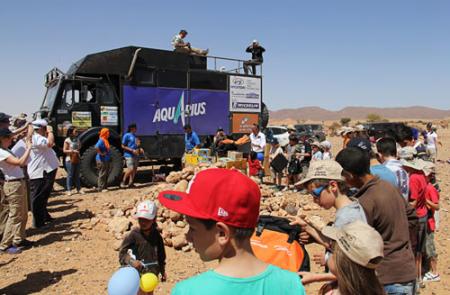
point(160, 91)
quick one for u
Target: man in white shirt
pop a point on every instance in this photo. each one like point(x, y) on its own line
point(258, 141)
point(432, 142)
point(185, 47)
point(42, 171)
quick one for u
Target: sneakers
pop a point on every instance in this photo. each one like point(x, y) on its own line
point(81, 192)
point(123, 185)
point(25, 244)
point(12, 250)
point(69, 193)
point(431, 277)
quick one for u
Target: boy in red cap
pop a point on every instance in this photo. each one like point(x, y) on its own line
point(222, 208)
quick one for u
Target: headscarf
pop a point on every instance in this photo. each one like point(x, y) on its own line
point(104, 135)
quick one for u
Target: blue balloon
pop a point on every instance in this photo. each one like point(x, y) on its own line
point(260, 157)
point(125, 281)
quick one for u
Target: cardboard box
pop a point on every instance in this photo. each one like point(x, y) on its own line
point(234, 155)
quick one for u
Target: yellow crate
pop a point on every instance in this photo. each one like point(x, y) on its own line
point(190, 159)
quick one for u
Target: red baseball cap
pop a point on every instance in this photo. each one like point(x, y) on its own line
point(222, 195)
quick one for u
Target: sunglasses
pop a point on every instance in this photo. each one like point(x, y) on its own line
point(318, 191)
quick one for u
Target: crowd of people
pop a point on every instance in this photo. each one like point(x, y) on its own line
point(384, 192)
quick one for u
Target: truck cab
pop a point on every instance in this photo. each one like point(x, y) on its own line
point(160, 91)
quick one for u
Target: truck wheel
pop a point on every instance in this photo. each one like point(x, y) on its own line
point(264, 119)
point(88, 167)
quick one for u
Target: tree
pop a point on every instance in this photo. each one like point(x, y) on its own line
point(345, 121)
point(372, 117)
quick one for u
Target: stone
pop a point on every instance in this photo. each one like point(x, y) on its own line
point(111, 206)
point(119, 225)
point(181, 186)
point(179, 242)
point(119, 213)
point(187, 248)
point(173, 177)
point(175, 216)
point(181, 224)
point(68, 250)
point(275, 207)
point(116, 245)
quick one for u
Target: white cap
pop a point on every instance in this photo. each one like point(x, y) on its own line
point(255, 41)
point(147, 210)
point(39, 123)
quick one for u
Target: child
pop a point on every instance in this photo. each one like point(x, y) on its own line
point(325, 183)
point(254, 165)
point(432, 203)
point(358, 250)
point(143, 247)
point(326, 147)
point(222, 208)
point(275, 150)
point(316, 152)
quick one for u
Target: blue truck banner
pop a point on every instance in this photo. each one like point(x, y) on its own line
point(167, 110)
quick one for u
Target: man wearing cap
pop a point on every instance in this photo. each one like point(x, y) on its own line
point(191, 139)
point(257, 56)
point(42, 171)
point(389, 214)
point(222, 209)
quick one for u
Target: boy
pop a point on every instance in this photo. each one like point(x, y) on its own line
point(432, 203)
point(275, 150)
point(143, 247)
point(325, 183)
point(222, 208)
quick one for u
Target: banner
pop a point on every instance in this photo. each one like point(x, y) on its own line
point(82, 120)
point(167, 110)
point(245, 94)
point(109, 116)
point(243, 123)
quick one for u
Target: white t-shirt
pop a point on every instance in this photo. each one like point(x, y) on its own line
point(327, 156)
point(73, 144)
point(42, 158)
point(177, 40)
point(431, 140)
point(258, 142)
point(11, 172)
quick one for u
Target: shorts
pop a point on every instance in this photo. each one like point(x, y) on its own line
point(400, 288)
point(421, 235)
point(432, 154)
point(132, 162)
point(429, 246)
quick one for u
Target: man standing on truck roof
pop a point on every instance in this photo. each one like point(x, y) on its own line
point(130, 153)
point(191, 139)
point(257, 56)
point(185, 47)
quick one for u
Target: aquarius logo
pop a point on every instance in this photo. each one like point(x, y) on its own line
point(179, 113)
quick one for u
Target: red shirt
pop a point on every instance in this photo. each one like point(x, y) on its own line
point(254, 167)
point(417, 189)
point(433, 195)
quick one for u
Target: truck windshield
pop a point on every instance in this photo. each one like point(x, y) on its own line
point(50, 97)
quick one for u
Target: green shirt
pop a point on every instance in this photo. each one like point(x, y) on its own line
point(273, 280)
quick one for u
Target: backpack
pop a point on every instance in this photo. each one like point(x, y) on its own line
point(294, 166)
point(276, 242)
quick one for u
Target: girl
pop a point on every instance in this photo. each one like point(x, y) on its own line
point(71, 149)
point(103, 159)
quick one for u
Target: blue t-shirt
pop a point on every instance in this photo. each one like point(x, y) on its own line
point(384, 173)
point(129, 140)
point(101, 146)
point(273, 280)
point(191, 140)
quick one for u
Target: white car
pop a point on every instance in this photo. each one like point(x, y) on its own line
point(280, 133)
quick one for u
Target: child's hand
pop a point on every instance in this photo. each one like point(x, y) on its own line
point(164, 277)
point(137, 265)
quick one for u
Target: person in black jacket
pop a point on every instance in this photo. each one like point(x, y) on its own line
point(257, 57)
point(143, 247)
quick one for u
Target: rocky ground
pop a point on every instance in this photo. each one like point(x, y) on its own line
point(77, 254)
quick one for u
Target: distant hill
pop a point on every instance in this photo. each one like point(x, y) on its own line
point(320, 114)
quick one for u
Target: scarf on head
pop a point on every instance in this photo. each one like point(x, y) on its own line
point(104, 135)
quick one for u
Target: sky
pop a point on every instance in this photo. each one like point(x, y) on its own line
point(331, 54)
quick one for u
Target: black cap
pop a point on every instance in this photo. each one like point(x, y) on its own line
point(5, 132)
point(4, 118)
point(361, 143)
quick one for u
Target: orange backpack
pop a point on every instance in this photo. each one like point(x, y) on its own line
point(276, 242)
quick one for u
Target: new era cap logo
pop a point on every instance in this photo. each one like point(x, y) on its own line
point(222, 212)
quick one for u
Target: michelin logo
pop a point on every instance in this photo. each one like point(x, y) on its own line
point(179, 112)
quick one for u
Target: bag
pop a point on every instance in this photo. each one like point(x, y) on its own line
point(279, 163)
point(75, 158)
point(276, 242)
point(294, 166)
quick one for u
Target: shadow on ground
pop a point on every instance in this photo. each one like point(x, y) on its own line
point(35, 282)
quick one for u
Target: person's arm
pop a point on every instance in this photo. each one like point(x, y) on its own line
point(21, 130)
point(50, 136)
point(196, 140)
point(262, 49)
point(310, 277)
point(125, 145)
point(249, 49)
point(22, 161)
point(66, 148)
point(161, 256)
point(413, 192)
point(431, 205)
point(97, 148)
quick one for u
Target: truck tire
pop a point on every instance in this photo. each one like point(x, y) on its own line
point(88, 169)
point(264, 119)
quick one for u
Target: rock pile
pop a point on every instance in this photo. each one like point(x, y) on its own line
point(172, 225)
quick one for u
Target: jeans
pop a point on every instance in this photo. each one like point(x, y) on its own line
point(400, 289)
point(73, 176)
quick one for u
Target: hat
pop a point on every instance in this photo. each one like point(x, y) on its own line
point(346, 130)
point(39, 123)
point(4, 118)
point(407, 153)
point(360, 242)
point(255, 41)
point(290, 127)
point(416, 164)
point(428, 168)
point(222, 195)
point(361, 143)
point(360, 127)
point(325, 144)
point(5, 132)
point(325, 169)
point(315, 143)
point(146, 209)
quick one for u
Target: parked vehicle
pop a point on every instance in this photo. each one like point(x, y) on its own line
point(158, 90)
point(280, 133)
point(311, 130)
point(378, 130)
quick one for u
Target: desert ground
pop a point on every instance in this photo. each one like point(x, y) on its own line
point(76, 254)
